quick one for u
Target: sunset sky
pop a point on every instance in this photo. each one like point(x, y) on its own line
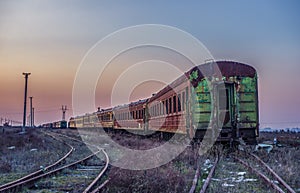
point(50, 39)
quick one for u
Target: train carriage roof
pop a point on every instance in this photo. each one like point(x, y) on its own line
point(226, 68)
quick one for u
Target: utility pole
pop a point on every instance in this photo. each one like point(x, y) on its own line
point(31, 124)
point(32, 117)
point(64, 109)
point(26, 74)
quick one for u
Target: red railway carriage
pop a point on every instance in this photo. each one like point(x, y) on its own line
point(167, 109)
point(130, 116)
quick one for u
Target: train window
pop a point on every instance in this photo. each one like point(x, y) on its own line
point(183, 101)
point(153, 110)
point(142, 113)
point(179, 102)
point(174, 104)
point(170, 105)
point(159, 108)
point(167, 107)
point(187, 95)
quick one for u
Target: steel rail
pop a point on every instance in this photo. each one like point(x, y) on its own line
point(35, 178)
point(265, 178)
point(40, 171)
point(280, 180)
point(210, 175)
point(101, 186)
point(195, 180)
point(91, 185)
point(100, 174)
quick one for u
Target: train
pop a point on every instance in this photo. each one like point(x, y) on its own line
point(215, 96)
point(57, 124)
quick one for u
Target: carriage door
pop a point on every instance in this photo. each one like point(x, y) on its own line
point(225, 98)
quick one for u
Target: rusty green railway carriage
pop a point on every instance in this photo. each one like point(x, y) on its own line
point(227, 101)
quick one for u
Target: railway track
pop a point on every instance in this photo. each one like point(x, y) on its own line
point(233, 166)
point(6, 186)
point(102, 172)
point(205, 171)
point(207, 180)
point(261, 169)
point(30, 179)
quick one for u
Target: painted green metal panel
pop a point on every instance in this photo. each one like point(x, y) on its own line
point(247, 97)
point(248, 116)
point(248, 107)
point(201, 117)
point(248, 84)
point(248, 102)
point(201, 105)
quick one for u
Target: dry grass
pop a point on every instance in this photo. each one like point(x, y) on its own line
point(175, 176)
point(22, 154)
